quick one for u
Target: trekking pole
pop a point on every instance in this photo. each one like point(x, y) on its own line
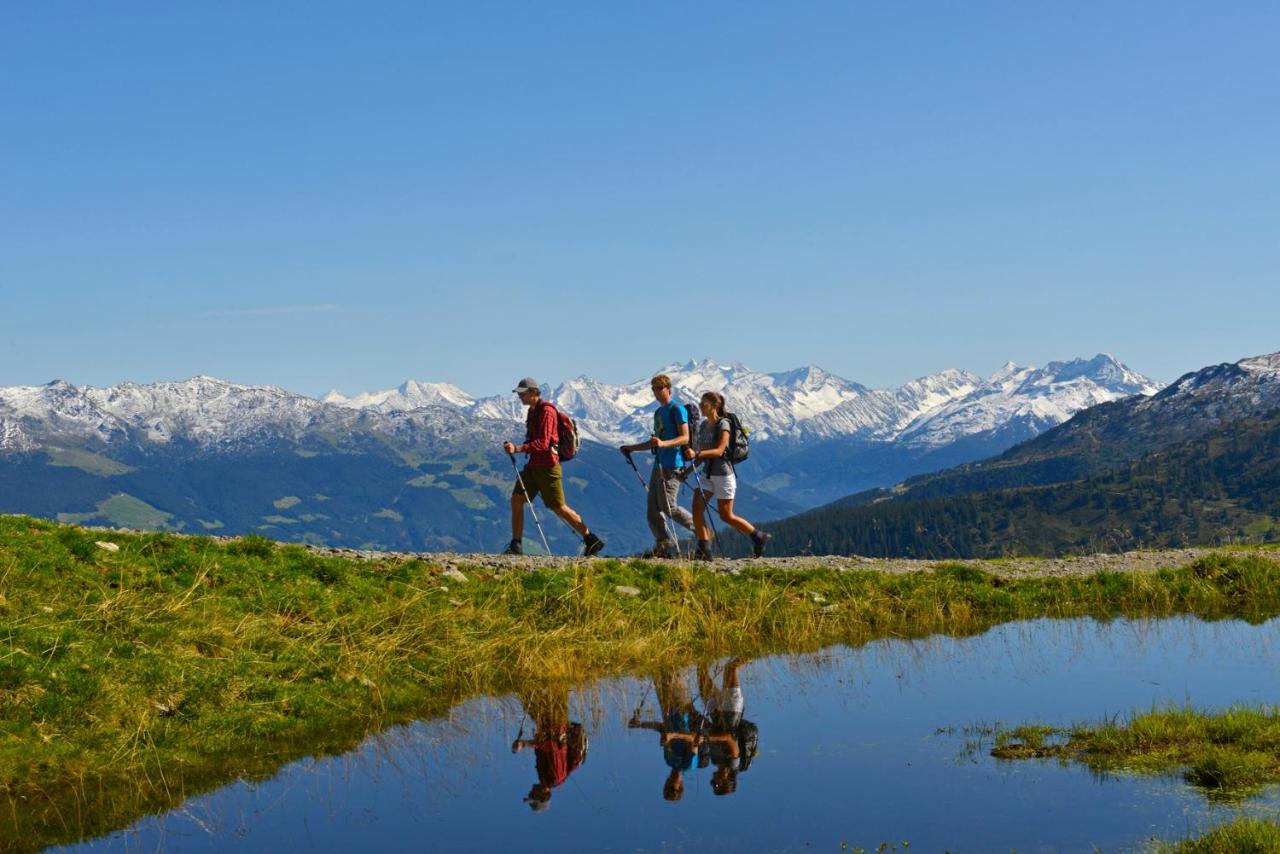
point(520, 480)
point(632, 463)
point(643, 697)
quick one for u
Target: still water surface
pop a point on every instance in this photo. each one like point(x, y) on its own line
point(858, 746)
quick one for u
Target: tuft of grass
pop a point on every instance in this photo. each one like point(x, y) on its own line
point(130, 680)
point(1026, 742)
point(1229, 754)
point(1240, 836)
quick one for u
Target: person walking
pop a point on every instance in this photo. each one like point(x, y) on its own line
point(669, 440)
point(541, 473)
point(711, 448)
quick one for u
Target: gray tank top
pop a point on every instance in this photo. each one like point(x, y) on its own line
point(709, 437)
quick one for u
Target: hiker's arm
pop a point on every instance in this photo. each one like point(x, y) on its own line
point(722, 446)
point(680, 440)
point(640, 446)
point(728, 738)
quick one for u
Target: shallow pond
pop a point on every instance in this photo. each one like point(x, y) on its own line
point(859, 746)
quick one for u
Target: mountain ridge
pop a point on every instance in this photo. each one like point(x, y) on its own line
point(800, 419)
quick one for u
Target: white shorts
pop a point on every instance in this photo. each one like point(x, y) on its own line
point(722, 486)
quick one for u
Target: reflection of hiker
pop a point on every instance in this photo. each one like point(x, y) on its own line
point(678, 730)
point(731, 742)
point(559, 745)
point(712, 444)
point(541, 474)
point(670, 436)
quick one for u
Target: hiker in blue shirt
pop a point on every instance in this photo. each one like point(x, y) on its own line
point(670, 438)
point(678, 730)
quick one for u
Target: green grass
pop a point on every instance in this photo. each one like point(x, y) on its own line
point(123, 510)
point(85, 461)
point(1260, 527)
point(471, 498)
point(131, 680)
point(1229, 754)
point(129, 512)
point(1241, 836)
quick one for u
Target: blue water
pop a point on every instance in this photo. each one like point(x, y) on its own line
point(849, 752)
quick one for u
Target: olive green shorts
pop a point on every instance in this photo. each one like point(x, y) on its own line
point(541, 481)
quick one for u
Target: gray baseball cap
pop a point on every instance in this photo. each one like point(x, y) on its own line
point(527, 384)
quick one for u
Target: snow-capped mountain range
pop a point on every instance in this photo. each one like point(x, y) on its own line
point(204, 413)
point(792, 407)
point(810, 403)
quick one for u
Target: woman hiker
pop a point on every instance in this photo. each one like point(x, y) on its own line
point(710, 448)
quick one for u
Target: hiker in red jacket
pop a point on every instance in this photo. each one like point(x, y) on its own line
point(541, 474)
point(559, 745)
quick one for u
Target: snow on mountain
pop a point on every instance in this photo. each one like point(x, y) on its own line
point(883, 413)
point(204, 411)
point(799, 405)
point(810, 403)
point(1027, 400)
point(12, 439)
point(772, 405)
point(1211, 396)
point(407, 396)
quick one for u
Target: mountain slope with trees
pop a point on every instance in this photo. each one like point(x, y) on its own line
point(1196, 463)
point(1222, 487)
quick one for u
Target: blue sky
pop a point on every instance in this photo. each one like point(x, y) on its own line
point(322, 195)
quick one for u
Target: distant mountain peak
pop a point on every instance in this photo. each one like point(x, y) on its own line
point(1268, 364)
point(1006, 372)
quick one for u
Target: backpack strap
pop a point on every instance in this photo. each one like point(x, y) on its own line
point(555, 413)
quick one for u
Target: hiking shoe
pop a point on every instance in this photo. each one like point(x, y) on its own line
point(665, 550)
point(702, 552)
point(592, 545)
point(515, 547)
point(759, 539)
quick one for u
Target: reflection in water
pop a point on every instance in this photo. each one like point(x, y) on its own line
point(453, 784)
point(717, 735)
point(559, 745)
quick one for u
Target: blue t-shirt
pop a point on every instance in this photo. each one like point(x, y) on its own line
point(666, 425)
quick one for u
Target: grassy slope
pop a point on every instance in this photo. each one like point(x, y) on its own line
point(132, 679)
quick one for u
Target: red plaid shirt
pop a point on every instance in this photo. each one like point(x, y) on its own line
point(541, 432)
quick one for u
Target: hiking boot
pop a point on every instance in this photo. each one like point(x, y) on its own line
point(702, 552)
point(664, 549)
point(515, 547)
point(759, 539)
point(592, 545)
